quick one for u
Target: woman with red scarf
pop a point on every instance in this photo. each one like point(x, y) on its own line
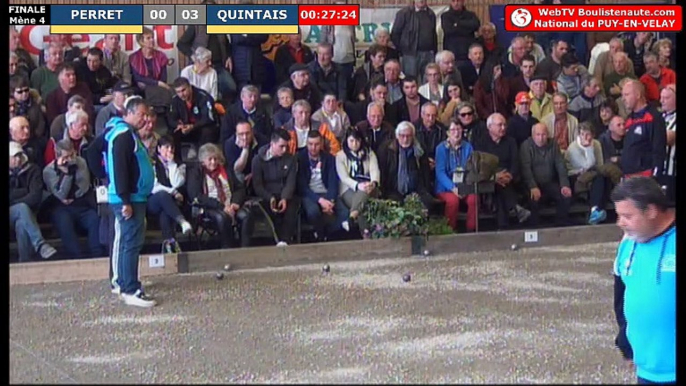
point(218, 195)
point(149, 70)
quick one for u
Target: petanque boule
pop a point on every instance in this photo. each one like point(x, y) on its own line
point(407, 278)
point(427, 252)
point(219, 276)
point(227, 267)
point(326, 268)
point(514, 247)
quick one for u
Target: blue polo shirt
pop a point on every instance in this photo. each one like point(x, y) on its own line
point(648, 271)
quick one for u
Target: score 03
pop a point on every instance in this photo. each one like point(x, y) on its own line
point(330, 14)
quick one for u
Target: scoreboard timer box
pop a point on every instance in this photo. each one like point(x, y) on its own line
point(219, 19)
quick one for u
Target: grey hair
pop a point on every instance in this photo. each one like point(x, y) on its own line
point(210, 150)
point(404, 125)
point(283, 90)
point(427, 105)
point(616, 39)
point(377, 104)
point(379, 31)
point(63, 146)
point(201, 54)
point(46, 51)
point(464, 104)
point(76, 99)
point(13, 55)
point(75, 116)
point(441, 54)
point(491, 117)
point(302, 103)
point(250, 89)
point(516, 39)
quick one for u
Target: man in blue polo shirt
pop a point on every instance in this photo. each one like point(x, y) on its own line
point(645, 280)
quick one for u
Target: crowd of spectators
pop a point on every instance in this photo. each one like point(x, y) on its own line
point(562, 120)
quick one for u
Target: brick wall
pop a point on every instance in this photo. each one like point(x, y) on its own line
point(480, 7)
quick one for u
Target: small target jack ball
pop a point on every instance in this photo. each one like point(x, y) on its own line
point(227, 267)
point(427, 252)
point(326, 268)
point(407, 278)
point(514, 247)
point(219, 276)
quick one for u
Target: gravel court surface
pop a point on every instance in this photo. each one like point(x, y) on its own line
point(538, 315)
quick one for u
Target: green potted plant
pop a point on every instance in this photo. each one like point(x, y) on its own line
point(387, 218)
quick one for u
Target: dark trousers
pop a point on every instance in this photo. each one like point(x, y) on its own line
point(67, 218)
point(323, 224)
point(129, 237)
point(162, 204)
point(107, 234)
point(505, 201)
point(285, 223)
point(225, 225)
point(599, 192)
point(551, 191)
point(197, 137)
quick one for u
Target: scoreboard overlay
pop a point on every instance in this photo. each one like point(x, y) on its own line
point(219, 19)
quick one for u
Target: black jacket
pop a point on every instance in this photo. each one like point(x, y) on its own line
point(402, 111)
point(388, 165)
point(645, 142)
point(469, 76)
point(519, 128)
point(506, 151)
point(26, 186)
point(202, 111)
point(458, 31)
point(363, 77)
point(195, 186)
point(310, 93)
point(405, 31)
point(262, 125)
point(609, 148)
point(249, 64)
point(430, 139)
point(98, 81)
point(274, 177)
point(333, 82)
point(329, 176)
point(375, 140)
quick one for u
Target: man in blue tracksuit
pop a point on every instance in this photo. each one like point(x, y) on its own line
point(645, 280)
point(131, 178)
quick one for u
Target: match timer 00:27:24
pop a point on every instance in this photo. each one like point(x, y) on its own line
point(330, 14)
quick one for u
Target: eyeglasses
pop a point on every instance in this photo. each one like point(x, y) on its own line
point(467, 114)
point(22, 90)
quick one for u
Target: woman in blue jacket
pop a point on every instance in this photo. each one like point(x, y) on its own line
point(451, 164)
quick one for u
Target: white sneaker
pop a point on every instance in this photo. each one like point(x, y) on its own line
point(115, 290)
point(345, 225)
point(138, 299)
point(282, 244)
point(186, 227)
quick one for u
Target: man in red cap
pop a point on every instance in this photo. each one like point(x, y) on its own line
point(520, 124)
